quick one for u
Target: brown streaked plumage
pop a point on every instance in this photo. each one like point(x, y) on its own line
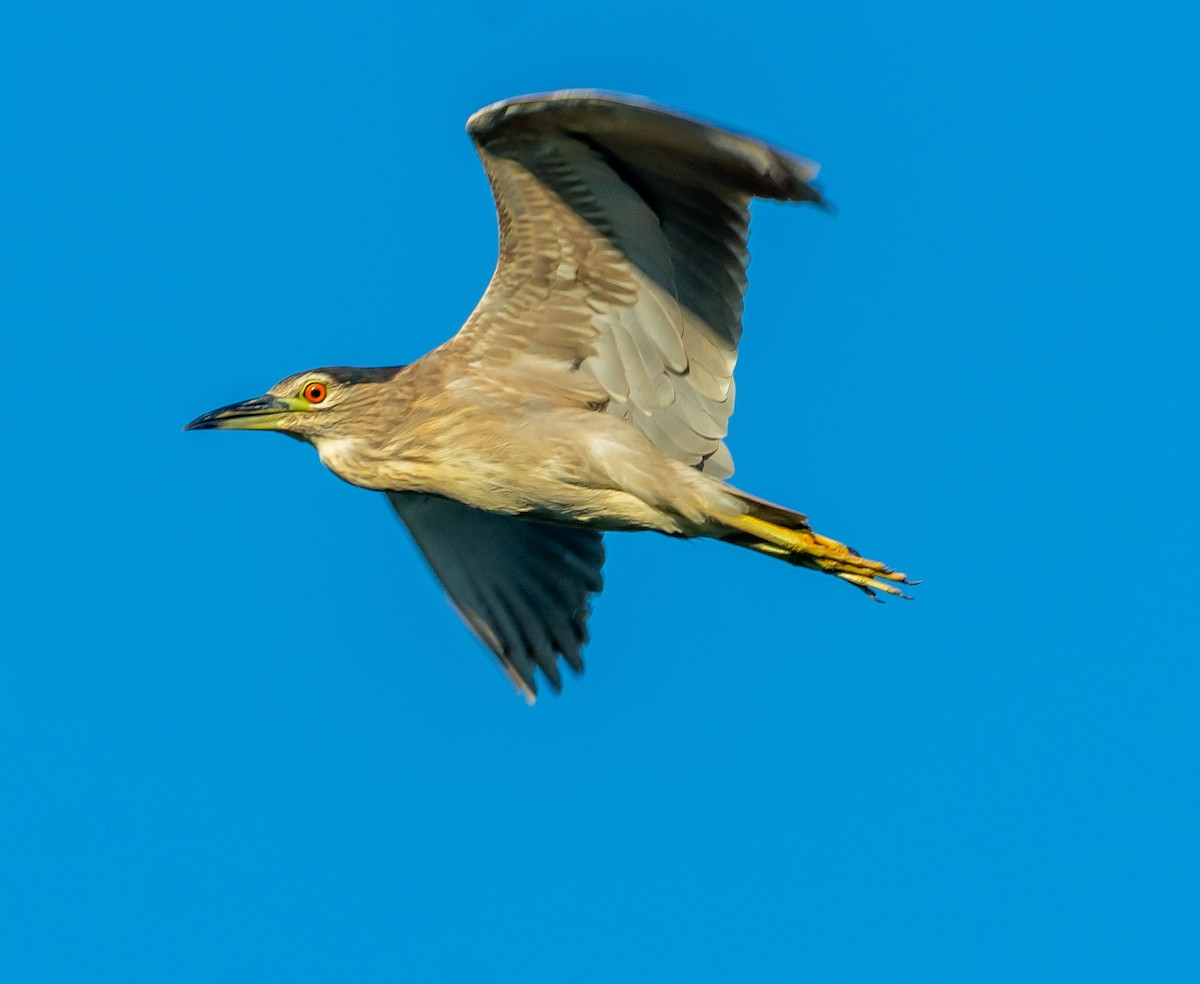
point(591, 388)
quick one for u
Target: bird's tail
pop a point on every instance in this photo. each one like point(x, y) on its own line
point(782, 533)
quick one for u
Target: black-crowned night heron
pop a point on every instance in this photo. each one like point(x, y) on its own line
point(591, 388)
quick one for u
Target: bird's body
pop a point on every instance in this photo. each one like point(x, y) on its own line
point(591, 388)
point(451, 442)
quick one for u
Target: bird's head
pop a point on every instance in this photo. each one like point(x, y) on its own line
point(320, 403)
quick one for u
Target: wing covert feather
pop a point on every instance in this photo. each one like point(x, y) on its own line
point(622, 261)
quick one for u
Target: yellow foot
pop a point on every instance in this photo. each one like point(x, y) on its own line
point(832, 557)
point(804, 548)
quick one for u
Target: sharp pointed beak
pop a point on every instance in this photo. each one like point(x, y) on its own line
point(261, 413)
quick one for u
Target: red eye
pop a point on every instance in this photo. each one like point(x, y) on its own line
point(314, 392)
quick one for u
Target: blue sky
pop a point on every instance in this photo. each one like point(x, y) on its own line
point(243, 738)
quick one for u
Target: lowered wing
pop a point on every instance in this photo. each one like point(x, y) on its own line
point(522, 586)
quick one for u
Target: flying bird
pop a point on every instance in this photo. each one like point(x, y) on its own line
point(590, 390)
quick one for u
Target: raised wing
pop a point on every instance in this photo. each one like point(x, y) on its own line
point(622, 261)
point(522, 586)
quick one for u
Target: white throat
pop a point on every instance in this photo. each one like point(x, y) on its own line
point(335, 450)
